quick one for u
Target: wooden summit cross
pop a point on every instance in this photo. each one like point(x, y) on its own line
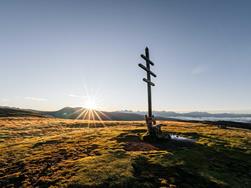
point(150, 120)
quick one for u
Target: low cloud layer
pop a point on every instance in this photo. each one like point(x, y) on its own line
point(36, 99)
point(76, 96)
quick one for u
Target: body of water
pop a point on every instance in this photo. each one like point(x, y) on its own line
point(239, 119)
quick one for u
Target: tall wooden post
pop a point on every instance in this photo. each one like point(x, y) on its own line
point(148, 85)
point(147, 68)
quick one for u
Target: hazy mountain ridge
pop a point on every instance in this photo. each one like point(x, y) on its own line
point(74, 113)
point(78, 113)
point(68, 113)
point(171, 114)
point(17, 112)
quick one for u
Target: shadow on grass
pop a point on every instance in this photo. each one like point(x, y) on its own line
point(157, 175)
point(187, 164)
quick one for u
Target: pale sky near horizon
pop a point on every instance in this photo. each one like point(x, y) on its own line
point(52, 52)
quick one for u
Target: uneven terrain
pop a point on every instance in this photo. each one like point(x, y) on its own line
point(50, 152)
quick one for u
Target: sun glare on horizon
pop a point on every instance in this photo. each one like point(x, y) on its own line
point(90, 103)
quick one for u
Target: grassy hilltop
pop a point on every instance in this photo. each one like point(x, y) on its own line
point(49, 152)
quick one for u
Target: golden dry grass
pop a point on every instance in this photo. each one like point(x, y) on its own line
point(53, 152)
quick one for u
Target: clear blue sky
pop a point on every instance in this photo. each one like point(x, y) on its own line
point(51, 52)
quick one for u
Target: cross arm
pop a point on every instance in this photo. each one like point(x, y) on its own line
point(148, 81)
point(147, 60)
point(147, 70)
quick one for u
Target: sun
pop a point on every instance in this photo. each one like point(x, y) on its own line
point(89, 112)
point(91, 103)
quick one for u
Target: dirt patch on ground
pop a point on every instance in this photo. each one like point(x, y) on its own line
point(132, 142)
point(139, 146)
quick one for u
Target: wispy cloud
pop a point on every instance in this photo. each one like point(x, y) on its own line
point(76, 96)
point(199, 69)
point(36, 99)
point(4, 100)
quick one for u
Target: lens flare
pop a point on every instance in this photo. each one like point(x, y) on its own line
point(89, 112)
point(91, 103)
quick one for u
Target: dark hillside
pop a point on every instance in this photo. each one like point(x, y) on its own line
point(16, 112)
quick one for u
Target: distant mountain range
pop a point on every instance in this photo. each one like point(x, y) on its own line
point(79, 113)
point(227, 119)
point(69, 113)
point(171, 114)
point(16, 112)
point(74, 113)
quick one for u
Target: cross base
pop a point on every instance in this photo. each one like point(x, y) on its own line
point(154, 130)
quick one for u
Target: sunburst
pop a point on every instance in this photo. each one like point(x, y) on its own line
point(89, 111)
point(92, 116)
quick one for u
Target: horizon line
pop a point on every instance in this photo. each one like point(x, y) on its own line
point(246, 111)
